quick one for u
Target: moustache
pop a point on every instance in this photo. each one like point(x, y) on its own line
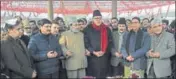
point(48, 30)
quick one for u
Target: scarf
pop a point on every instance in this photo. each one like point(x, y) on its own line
point(104, 36)
point(138, 40)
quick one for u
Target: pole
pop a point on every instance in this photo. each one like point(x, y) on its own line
point(114, 8)
point(50, 10)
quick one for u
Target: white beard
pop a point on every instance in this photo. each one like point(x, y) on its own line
point(28, 34)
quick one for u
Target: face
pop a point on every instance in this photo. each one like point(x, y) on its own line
point(17, 31)
point(32, 25)
point(27, 30)
point(121, 27)
point(128, 22)
point(75, 26)
point(114, 23)
point(157, 28)
point(97, 20)
point(145, 22)
point(46, 29)
point(149, 30)
point(164, 25)
point(3, 34)
point(54, 29)
point(81, 24)
point(135, 24)
point(61, 22)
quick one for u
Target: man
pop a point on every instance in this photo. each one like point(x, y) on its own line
point(27, 27)
point(162, 48)
point(15, 54)
point(25, 36)
point(45, 51)
point(81, 24)
point(128, 22)
point(55, 31)
point(4, 73)
point(114, 22)
point(61, 23)
point(145, 24)
point(85, 21)
point(165, 24)
point(34, 27)
point(116, 59)
point(135, 45)
point(98, 41)
point(72, 42)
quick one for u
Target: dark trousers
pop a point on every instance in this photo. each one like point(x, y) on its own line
point(118, 70)
point(97, 66)
point(62, 69)
point(63, 73)
point(49, 76)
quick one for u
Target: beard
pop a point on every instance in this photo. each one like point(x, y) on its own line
point(74, 30)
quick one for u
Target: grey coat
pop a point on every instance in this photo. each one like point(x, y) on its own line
point(114, 59)
point(166, 48)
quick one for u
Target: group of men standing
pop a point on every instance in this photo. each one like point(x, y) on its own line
point(90, 51)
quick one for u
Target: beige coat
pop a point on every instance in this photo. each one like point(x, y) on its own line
point(74, 42)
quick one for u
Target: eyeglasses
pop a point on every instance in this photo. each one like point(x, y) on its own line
point(48, 26)
point(80, 24)
point(20, 29)
point(135, 22)
point(97, 18)
point(121, 25)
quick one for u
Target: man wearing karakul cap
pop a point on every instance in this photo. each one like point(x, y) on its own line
point(98, 41)
point(116, 59)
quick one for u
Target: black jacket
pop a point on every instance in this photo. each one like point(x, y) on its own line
point(17, 58)
point(25, 39)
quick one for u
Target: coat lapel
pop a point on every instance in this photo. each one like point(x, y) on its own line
point(116, 40)
point(17, 46)
point(160, 40)
point(26, 50)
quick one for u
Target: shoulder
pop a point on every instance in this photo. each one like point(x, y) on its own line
point(169, 35)
point(146, 34)
point(35, 37)
point(5, 44)
point(66, 33)
point(87, 28)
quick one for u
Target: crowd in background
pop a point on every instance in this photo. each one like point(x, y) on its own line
point(117, 48)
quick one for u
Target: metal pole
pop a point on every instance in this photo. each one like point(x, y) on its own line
point(50, 10)
point(114, 8)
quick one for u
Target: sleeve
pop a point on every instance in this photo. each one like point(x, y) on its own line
point(144, 49)
point(170, 48)
point(13, 64)
point(62, 42)
point(41, 56)
point(59, 50)
point(111, 43)
point(87, 41)
point(123, 47)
